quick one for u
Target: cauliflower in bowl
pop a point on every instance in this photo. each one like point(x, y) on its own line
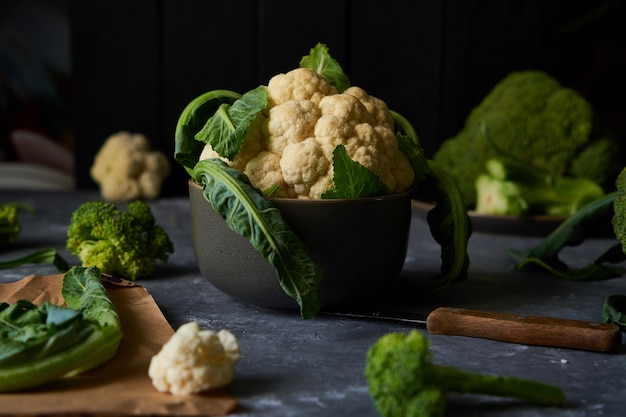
point(308, 135)
point(194, 360)
point(290, 146)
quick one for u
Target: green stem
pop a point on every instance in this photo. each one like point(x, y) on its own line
point(43, 256)
point(456, 380)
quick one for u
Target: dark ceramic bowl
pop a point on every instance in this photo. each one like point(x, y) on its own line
point(360, 244)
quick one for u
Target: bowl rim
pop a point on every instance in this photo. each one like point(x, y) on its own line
point(308, 201)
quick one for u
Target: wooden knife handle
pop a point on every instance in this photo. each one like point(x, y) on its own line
point(528, 330)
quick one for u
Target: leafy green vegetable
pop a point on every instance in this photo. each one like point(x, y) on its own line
point(614, 310)
point(449, 224)
point(120, 242)
point(572, 232)
point(192, 119)
point(41, 256)
point(409, 145)
point(403, 381)
point(10, 229)
point(29, 332)
point(320, 61)
point(42, 344)
point(248, 214)
point(353, 180)
point(226, 130)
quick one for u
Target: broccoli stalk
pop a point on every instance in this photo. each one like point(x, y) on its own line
point(124, 243)
point(512, 188)
point(404, 382)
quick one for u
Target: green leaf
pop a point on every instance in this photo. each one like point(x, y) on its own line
point(448, 221)
point(614, 310)
point(187, 149)
point(449, 224)
point(409, 145)
point(572, 232)
point(351, 179)
point(226, 130)
point(320, 61)
point(42, 256)
point(248, 214)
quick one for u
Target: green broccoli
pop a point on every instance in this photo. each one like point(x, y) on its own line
point(123, 243)
point(404, 382)
point(599, 162)
point(510, 188)
point(532, 118)
point(9, 223)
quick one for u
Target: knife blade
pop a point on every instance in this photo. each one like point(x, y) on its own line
point(512, 328)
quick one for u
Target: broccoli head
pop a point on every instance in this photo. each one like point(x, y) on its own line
point(124, 243)
point(9, 224)
point(600, 162)
point(403, 381)
point(531, 118)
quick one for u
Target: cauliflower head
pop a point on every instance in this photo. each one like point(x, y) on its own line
point(290, 147)
point(194, 360)
point(127, 169)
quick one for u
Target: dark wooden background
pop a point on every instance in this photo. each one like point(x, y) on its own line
point(136, 64)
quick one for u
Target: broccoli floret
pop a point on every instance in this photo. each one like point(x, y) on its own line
point(510, 188)
point(531, 117)
point(9, 224)
point(404, 382)
point(124, 243)
point(600, 162)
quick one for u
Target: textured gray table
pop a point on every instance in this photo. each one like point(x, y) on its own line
point(291, 367)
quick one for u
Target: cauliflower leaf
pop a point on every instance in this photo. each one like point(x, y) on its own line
point(353, 180)
point(227, 129)
point(320, 61)
point(248, 214)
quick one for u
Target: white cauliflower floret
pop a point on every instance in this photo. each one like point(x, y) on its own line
point(194, 360)
point(303, 164)
point(264, 172)
point(375, 107)
point(347, 108)
point(127, 169)
point(290, 122)
point(298, 84)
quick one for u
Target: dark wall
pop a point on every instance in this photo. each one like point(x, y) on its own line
point(136, 64)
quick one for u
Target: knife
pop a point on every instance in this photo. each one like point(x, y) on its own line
point(513, 328)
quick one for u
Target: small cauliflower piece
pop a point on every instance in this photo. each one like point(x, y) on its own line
point(290, 122)
point(298, 84)
point(194, 360)
point(127, 169)
point(376, 107)
point(303, 165)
